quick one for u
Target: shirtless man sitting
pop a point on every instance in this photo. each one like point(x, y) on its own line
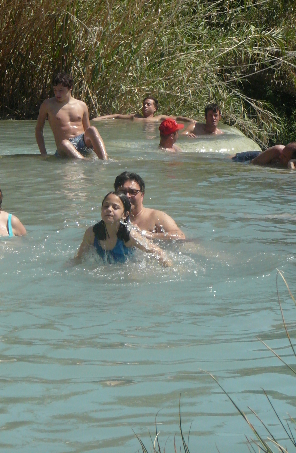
point(168, 135)
point(150, 106)
point(154, 224)
point(212, 116)
point(69, 121)
point(280, 156)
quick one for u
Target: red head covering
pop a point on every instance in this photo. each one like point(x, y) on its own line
point(170, 126)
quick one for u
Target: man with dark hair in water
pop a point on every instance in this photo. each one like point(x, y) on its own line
point(153, 224)
point(149, 108)
point(69, 122)
point(277, 156)
point(212, 116)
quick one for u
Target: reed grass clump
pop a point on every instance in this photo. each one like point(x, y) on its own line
point(185, 52)
point(267, 441)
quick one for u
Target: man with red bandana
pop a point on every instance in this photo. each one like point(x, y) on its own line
point(168, 135)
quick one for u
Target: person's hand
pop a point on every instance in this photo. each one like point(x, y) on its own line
point(191, 134)
point(165, 261)
point(291, 164)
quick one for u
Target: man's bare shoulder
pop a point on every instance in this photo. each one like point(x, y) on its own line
point(73, 102)
point(48, 104)
point(77, 101)
point(199, 129)
point(156, 214)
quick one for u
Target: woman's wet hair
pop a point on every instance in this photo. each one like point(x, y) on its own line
point(123, 198)
point(64, 79)
point(129, 176)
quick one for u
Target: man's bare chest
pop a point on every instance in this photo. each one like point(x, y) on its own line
point(65, 115)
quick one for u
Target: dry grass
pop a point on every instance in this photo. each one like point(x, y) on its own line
point(185, 52)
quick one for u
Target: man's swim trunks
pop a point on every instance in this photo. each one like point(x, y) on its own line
point(79, 144)
point(246, 156)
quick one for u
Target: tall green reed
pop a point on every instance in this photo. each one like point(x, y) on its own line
point(185, 52)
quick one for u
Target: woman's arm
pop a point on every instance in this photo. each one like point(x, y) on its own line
point(87, 242)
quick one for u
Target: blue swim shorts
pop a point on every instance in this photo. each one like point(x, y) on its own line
point(79, 144)
point(246, 156)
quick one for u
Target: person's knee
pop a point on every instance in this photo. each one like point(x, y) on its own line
point(91, 131)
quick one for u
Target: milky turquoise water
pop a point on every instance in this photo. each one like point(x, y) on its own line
point(91, 353)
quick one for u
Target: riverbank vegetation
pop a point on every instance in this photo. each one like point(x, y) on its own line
point(240, 53)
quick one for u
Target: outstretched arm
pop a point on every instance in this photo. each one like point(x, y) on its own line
point(184, 118)
point(116, 116)
point(142, 243)
point(39, 129)
point(17, 227)
point(176, 118)
point(190, 130)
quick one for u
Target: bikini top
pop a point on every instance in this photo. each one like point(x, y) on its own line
point(120, 252)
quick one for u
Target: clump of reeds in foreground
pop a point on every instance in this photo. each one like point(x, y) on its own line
point(155, 442)
point(268, 443)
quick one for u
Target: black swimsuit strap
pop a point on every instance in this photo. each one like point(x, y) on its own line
point(123, 232)
point(100, 231)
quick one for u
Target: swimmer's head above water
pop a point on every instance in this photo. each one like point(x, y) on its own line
point(63, 79)
point(128, 176)
point(126, 204)
point(214, 107)
point(150, 106)
point(169, 126)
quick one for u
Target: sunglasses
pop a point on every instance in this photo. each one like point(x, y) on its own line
point(132, 192)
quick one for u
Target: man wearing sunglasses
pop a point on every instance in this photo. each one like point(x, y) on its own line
point(154, 224)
